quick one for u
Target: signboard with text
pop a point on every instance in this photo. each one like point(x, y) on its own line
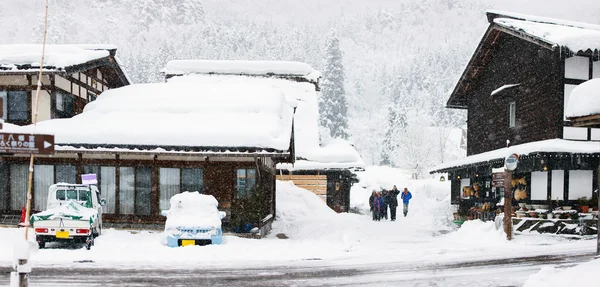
point(14, 143)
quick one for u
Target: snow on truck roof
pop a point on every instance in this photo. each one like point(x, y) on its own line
point(575, 36)
point(189, 111)
point(584, 99)
point(20, 57)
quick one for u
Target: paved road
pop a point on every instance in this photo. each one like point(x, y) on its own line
point(501, 272)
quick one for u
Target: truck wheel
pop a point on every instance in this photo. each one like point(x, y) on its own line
point(42, 244)
point(90, 243)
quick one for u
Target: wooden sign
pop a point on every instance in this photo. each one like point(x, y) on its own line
point(498, 179)
point(12, 143)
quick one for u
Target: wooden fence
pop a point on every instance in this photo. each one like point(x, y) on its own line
point(315, 183)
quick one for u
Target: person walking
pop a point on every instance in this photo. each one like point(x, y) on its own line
point(371, 203)
point(393, 199)
point(384, 207)
point(377, 203)
point(406, 196)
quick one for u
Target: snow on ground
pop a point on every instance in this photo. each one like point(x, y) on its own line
point(319, 236)
point(580, 275)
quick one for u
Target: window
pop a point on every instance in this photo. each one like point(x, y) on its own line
point(512, 110)
point(4, 187)
point(126, 190)
point(246, 180)
point(175, 180)
point(91, 97)
point(192, 179)
point(43, 178)
point(18, 185)
point(143, 184)
point(17, 105)
point(63, 105)
point(170, 180)
point(3, 96)
point(134, 190)
point(66, 174)
point(108, 187)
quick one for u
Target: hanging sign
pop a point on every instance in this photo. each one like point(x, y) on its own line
point(511, 162)
point(89, 178)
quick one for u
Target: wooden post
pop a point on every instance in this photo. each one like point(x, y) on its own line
point(508, 204)
point(23, 276)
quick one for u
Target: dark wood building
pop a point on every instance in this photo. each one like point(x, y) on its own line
point(516, 89)
point(74, 75)
point(189, 137)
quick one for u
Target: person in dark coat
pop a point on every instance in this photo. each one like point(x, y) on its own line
point(393, 199)
point(384, 207)
point(371, 199)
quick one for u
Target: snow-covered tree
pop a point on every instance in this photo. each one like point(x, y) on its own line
point(333, 104)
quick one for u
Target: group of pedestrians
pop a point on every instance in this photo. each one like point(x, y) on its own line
point(381, 200)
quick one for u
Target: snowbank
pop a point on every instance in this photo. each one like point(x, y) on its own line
point(584, 99)
point(193, 111)
point(580, 275)
point(56, 57)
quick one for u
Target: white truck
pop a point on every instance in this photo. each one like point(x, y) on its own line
point(74, 213)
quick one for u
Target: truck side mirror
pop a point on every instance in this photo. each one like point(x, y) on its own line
point(102, 201)
point(222, 214)
point(164, 213)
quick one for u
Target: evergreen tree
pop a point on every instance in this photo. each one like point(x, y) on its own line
point(333, 104)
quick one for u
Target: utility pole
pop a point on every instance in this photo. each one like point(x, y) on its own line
point(510, 164)
point(508, 204)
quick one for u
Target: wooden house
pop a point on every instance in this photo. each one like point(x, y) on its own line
point(325, 170)
point(74, 75)
point(516, 91)
point(218, 135)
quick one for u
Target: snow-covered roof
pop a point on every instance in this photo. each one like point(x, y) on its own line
point(21, 57)
point(553, 145)
point(337, 153)
point(584, 99)
point(251, 68)
point(191, 111)
point(573, 35)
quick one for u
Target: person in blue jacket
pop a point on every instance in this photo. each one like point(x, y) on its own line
point(406, 196)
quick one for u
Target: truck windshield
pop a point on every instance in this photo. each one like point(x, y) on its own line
point(72, 194)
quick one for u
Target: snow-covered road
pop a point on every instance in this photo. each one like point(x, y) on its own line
point(505, 272)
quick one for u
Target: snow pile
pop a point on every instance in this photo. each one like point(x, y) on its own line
point(196, 111)
point(584, 99)
point(294, 203)
point(254, 68)
point(57, 56)
point(573, 35)
point(192, 209)
point(580, 275)
point(70, 210)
